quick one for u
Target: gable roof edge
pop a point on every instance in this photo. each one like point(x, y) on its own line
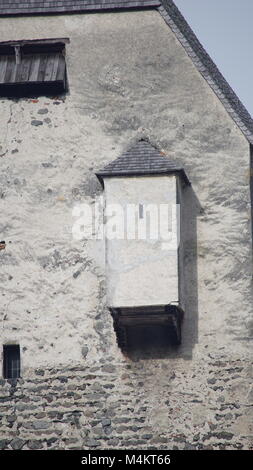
point(177, 23)
point(207, 67)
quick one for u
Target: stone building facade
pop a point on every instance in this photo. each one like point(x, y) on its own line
point(135, 70)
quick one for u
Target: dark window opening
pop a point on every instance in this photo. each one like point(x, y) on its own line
point(11, 361)
point(141, 215)
point(33, 68)
point(149, 337)
point(151, 331)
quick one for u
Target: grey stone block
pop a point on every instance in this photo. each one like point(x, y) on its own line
point(17, 443)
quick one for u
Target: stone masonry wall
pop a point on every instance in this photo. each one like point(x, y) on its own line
point(95, 407)
point(77, 388)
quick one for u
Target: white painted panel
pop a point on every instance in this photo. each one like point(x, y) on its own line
point(142, 271)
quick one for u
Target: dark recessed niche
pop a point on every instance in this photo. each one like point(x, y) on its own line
point(149, 331)
point(33, 90)
point(11, 361)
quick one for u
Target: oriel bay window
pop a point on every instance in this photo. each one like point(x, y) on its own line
point(145, 272)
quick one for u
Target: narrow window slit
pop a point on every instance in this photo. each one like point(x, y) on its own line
point(11, 361)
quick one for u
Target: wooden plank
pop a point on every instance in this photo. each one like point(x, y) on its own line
point(145, 321)
point(35, 42)
point(25, 68)
point(3, 65)
point(9, 69)
point(14, 72)
point(55, 68)
point(143, 310)
point(42, 67)
point(61, 68)
point(52, 63)
point(34, 68)
point(20, 71)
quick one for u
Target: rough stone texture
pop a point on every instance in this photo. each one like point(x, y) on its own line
point(198, 396)
point(17, 444)
point(36, 123)
point(190, 413)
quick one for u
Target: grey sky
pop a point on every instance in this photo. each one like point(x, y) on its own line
point(224, 27)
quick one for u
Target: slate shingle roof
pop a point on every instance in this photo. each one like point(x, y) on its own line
point(141, 159)
point(21, 7)
point(177, 23)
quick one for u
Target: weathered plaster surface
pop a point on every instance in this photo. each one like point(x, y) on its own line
point(141, 271)
point(74, 377)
